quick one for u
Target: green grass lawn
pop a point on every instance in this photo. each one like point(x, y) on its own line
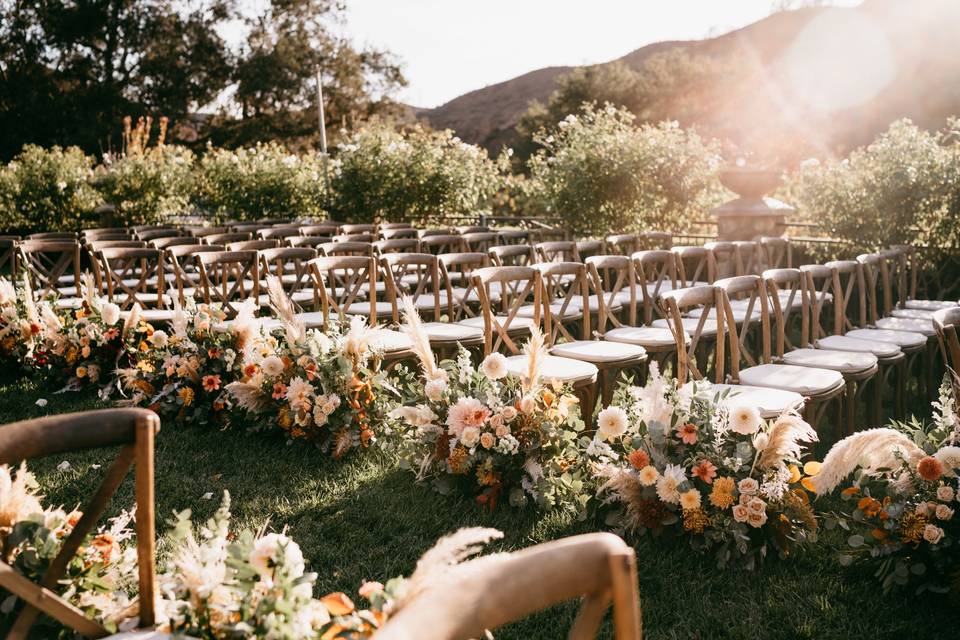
point(365, 519)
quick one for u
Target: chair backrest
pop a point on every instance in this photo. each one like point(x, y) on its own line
point(753, 290)
point(721, 260)
point(512, 255)
point(106, 234)
point(389, 226)
point(133, 430)
point(480, 240)
point(253, 245)
point(787, 293)
point(693, 265)
point(438, 244)
point(909, 272)
point(203, 232)
point(652, 240)
point(153, 234)
point(456, 277)
point(346, 249)
point(464, 229)
point(557, 251)
point(516, 287)
point(352, 229)
point(587, 248)
point(872, 286)
point(96, 245)
point(228, 278)
point(416, 275)
point(676, 303)
point(399, 245)
point(292, 266)
point(344, 281)
point(49, 264)
point(163, 243)
point(307, 241)
point(181, 263)
point(402, 233)
point(514, 236)
point(278, 233)
point(945, 322)
point(355, 237)
point(893, 277)
point(622, 243)
point(850, 302)
point(133, 276)
point(548, 234)
point(436, 231)
point(489, 592)
point(226, 238)
point(613, 279)
point(656, 273)
point(566, 299)
point(748, 258)
point(776, 252)
point(320, 229)
point(53, 235)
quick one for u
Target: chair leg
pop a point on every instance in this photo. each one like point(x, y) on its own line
point(850, 401)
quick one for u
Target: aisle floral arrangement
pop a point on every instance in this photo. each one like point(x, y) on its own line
point(215, 584)
point(490, 434)
point(685, 460)
point(318, 386)
point(901, 487)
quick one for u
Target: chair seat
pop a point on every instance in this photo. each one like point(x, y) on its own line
point(689, 325)
point(556, 308)
point(67, 291)
point(69, 303)
point(930, 305)
point(311, 319)
point(903, 339)
point(649, 337)
point(613, 303)
point(452, 332)
point(770, 402)
point(390, 340)
point(425, 301)
point(919, 314)
point(555, 368)
point(521, 325)
point(807, 381)
point(846, 343)
point(842, 361)
point(363, 309)
point(599, 351)
point(913, 325)
point(152, 315)
point(739, 314)
point(300, 297)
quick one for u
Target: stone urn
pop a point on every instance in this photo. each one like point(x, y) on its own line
point(753, 214)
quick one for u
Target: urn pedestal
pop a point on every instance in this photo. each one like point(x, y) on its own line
point(753, 214)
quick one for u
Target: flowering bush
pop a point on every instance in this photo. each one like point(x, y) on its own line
point(260, 182)
point(490, 433)
point(97, 579)
point(901, 485)
point(315, 386)
point(149, 186)
point(418, 176)
point(48, 189)
point(680, 457)
point(602, 174)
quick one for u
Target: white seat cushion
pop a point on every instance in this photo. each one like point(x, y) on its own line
point(554, 368)
point(517, 324)
point(842, 361)
point(556, 308)
point(451, 332)
point(67, 291)
point(650, 337)
point(599, 351)
point(930, 305)
point(613, 303)
point(903, 339)
point(69, 303)
point(363, 309)
point(807, 381)
point(689, 325)
point(770, 402)
point(311, 319)
point(390, 340)
point(920, 314)
point(914, 325)
point(846, 343)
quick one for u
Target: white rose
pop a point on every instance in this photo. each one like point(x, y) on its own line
point(612, 423)
point(273, 551)
point(110, 313)
point(494, 366)
point(470, 436)
point(272, 366)
point(159, 339)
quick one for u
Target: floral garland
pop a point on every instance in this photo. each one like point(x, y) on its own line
point(902, 487)
point(493, 434)
point(672, 456)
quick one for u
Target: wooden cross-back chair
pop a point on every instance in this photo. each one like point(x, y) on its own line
point(625, 244)
point(436, 231)
point(181, 264)
point(226, 238)
point(515, 288)
point(53, 235)
point(693, 266)
point(513, 255)
point(353, 229)
point(355, 237)
point(292, 266)
point(133, 276)
point(945, 322)
point(278, 233)
point(203, 232)
point(489, 592)
point(776, 252)
point(347, 286)
point(480, 241)
point(228, 278)
point(253, 245)
point(587, 248)
point(163, 243)
point(96, 245)
point(398, 245)
point(416, 275)
point(443, 243)
point(557, 251)
point(346, 249)
point(748, 258)
point(653, 240)
point(514, 236)
point(656, 273)
point(820, 385)
point(459, 286)
point(404, 233)
point(308, 241)
point(879, 290)
point(568, 296)
point(154, 233)
point(549, 234)
point(53, 267)
point(249, 228)
point(721, 260)
point(8, 256)
point(107, 233)
point(787, 296)
point(319, 229)
point(910, 271)
point(133, 430)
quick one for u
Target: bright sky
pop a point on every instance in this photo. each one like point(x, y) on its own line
point(450, 47)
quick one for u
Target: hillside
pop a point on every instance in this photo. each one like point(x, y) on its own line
point(799, 74)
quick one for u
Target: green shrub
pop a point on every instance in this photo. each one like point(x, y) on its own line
point(265, 181)
point(602, 174)
point(47, 189)
point(147, 187)
point(418, 176)
point(902, 188)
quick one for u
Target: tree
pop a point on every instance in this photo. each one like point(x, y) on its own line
point(71, 70)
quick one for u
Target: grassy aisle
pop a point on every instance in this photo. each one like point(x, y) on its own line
point(365, 519)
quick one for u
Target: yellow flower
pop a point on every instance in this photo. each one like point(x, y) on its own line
point(794, 474)
point(186, 395)
point(695, 520)
point(812, 468)
point(81, 372)
point(690, 500)
point(145, 366)
point(721, 496)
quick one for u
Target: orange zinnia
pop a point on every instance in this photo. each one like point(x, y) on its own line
point(930, 468)
point(211, 383)
point(639, 459)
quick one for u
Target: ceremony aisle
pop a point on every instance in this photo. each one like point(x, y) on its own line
point(362, 519)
